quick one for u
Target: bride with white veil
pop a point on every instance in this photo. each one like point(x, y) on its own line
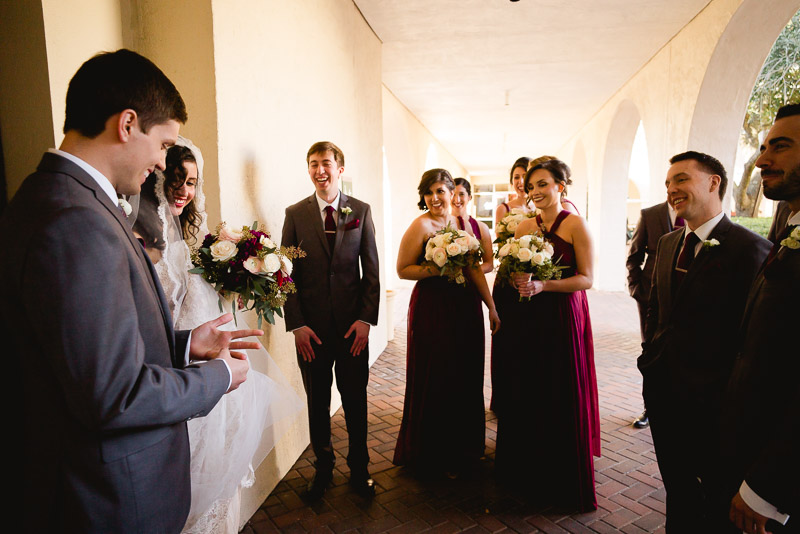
point(236, 436)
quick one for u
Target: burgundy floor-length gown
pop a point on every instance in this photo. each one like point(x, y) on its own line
point(548, 424)
point(443, 426)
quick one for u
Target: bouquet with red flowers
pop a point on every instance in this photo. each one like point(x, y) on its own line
point(249, 263)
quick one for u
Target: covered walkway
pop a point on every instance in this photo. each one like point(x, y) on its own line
point(629, 490)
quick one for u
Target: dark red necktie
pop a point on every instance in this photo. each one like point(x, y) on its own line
point(679, 223)
point(686, 257)
point(330, 227)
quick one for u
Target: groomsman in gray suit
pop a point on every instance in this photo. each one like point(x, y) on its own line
point(338, 293)
point(654, 222)
point(700, 284)
point(106, 385)
point(762, 423)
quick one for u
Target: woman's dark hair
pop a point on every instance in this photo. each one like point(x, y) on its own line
point(521, 162)
point(557, 169)
point(433, 176)
point(463, 182)
point(174, 177)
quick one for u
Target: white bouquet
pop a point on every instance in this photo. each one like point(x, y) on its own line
point(452, 250)
point(530, 253)
point(508, 225)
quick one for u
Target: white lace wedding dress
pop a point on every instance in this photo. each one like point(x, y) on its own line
point(244, 426)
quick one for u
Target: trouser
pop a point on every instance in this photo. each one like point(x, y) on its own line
point(352, 375)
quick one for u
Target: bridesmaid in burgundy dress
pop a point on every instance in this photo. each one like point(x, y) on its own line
point(461, 197)
point(443, 427)
point(548, 431)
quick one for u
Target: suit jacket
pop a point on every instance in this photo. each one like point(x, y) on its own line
point(653, 223)
point(782, 212)
point(332, 292)
point(105, 399)
point(687, 336)
point(762, 418)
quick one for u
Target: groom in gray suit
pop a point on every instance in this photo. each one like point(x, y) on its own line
point(106, 385)
point(331, 313)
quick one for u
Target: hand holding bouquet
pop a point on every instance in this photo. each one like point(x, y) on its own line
point(531, 254)
point(247, 262)
point(508, 225)
point(451, 250)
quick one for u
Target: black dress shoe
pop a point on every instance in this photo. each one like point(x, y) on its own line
point(363, 485)
point(318, 485)
point(642, 421)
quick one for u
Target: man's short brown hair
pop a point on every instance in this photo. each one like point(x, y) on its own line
point(321, 147)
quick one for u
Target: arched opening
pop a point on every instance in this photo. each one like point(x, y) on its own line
point(638, 179)
point(731, 74)
point(609, 228)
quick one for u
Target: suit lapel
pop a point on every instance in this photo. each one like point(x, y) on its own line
point(664, 221)
point(315, 220)
point(670, 250)
point(344, 202)
point(706, 253)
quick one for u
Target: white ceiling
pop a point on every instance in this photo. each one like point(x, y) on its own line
point(452, 63)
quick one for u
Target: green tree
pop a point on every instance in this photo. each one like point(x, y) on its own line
point(777, 84)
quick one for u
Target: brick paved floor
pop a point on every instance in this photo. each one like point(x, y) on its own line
point(629, 490)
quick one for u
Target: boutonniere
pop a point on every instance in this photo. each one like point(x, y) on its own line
point(352, 225)
point(346, 210)
point(708, 243)
point(126, 207)
point(792, 241)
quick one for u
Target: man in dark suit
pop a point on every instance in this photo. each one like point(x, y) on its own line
point(654, 222)
point(700, 284)
point(762, 423)
point(106, 387)
point(331, 313)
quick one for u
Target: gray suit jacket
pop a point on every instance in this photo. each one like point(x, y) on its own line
point(685, 336)
point(653, 223)
point(105, 396)
point(332, 292)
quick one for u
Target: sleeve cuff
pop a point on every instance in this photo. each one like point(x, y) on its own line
point(761, 506)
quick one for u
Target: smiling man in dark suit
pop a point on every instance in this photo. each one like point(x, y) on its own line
point(107, 389)
point(762, 423)
point(338, 293)
point(700, 284)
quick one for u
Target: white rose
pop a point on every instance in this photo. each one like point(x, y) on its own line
point(439, 240)
point(525, 254)
point(795, 233)
point(538, 258)
point(462, 233)
point(453, 249)
point(271, 263)
point(518, 211)
point(464, 242)
point(501, 228)
point(512, 226)
point(548, 248)
point(223, 250)
point(439, 256)
point(429, 253)
point(230, 235)
point(514, 249)
point(266, 242)
point(504, 250)
point(525, 241)
point(252, 264)
point(791, 243)
point(287, 266)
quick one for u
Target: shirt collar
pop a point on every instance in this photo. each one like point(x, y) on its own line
point(794, 219)
point(322, 204)
point(705, 229)
point(96, 175)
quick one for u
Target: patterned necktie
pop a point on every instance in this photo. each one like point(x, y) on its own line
point(686, 257)
point(330, 227)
